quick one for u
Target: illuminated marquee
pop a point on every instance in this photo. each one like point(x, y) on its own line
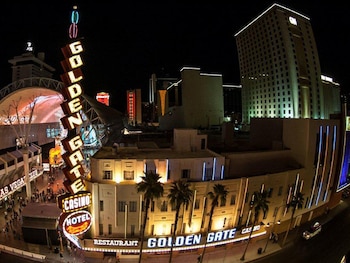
point(190, 240)
point(73, 203)
point(16, 184)
point(247, 230)
point(116, 242)
point(131, 104)
point(77, 223)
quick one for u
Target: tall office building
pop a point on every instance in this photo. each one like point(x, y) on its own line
point(279, 67)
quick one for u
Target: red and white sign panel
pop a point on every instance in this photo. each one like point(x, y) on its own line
point(77, 223)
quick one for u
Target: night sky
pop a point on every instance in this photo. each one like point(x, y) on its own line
point(126, 41)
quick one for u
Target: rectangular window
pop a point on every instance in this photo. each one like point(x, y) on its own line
point(269, 192)
point(185, 174)
point(152, 206)
point(223, 202)
point(280, 189)
point(203, 144)
point(196, 204)
point(132, 206)
point(107, 175)
point(101, 205)
point(173, 206)
point(128, 175)
point(100, 229)
point(233, 200)
point(208, 174)
point(132, 230)
point(109, 229)
point(121, 206)
point(164, 207)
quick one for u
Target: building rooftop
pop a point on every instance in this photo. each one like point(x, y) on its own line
point(136, 153)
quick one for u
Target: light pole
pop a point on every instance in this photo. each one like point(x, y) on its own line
point(295, 200)
point(61, 243)
point(252, 203)
point(273, 225)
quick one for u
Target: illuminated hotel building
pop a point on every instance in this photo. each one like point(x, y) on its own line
point(279, 67)
point(303, 152)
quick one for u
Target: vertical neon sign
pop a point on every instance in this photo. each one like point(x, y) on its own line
point(74, 220)
point(71, 107)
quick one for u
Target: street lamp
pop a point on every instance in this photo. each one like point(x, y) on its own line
point(61, 243)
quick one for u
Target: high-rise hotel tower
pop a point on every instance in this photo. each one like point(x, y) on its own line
point(279, 67)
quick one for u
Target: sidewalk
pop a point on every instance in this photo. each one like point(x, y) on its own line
point(230, 253)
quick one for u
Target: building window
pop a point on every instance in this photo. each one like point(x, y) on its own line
point(208, 174)
point(121, 206)
point(202, 144)
point(280, 189)
point(269, 192)
point(128, 175)
point(185, 174)
point(109, 229)
point(233, 200)
point(152, 206)
point(173, 206)
point(164, 206)
point(223, 202)
point(107, 175)
point(196, 204)
point(132, 230)
point(100, 229)
point(101, 205)
point(132, 206)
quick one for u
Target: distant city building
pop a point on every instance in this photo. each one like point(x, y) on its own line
point(28, 65)
point(134, 106)
point(103, 97)
point(331, 90)
point(279, 67)
point(232, 103)
point(151, 108)
point(194, 101)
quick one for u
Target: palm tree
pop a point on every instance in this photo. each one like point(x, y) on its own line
point(296, 202)
point(219, 193)
point(257, 203)
point(180, 194)
point(152, 189)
